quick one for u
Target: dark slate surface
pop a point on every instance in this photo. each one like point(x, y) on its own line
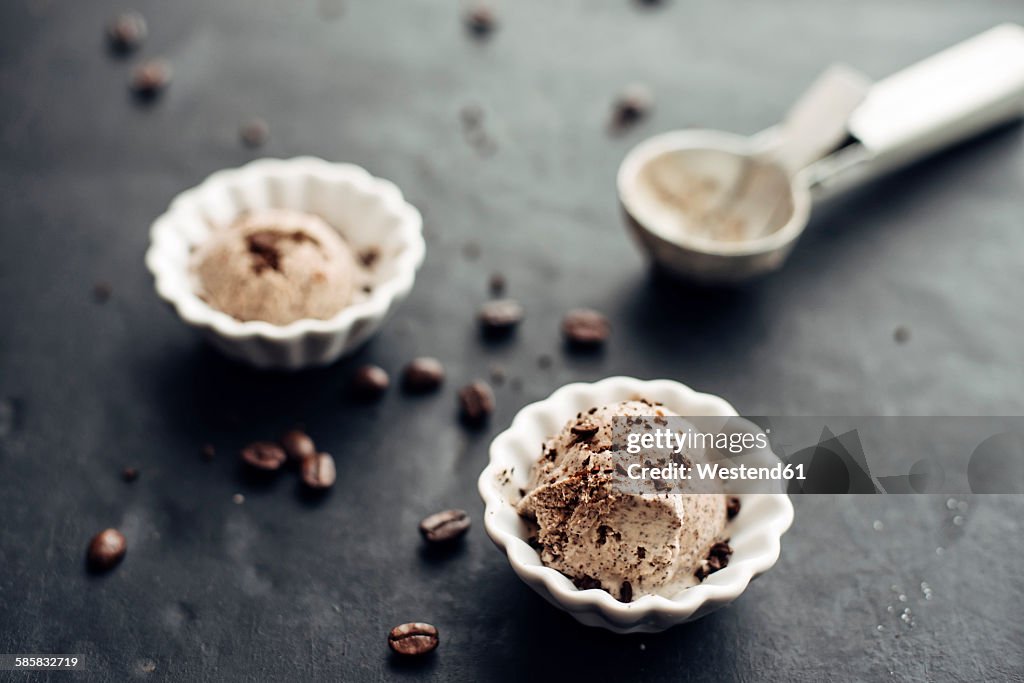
point(282, 587)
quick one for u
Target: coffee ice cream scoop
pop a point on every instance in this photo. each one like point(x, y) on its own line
point(277, 266)
point(630, 544)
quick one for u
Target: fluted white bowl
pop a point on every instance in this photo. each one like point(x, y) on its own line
point(755, 534)
point(367, 211)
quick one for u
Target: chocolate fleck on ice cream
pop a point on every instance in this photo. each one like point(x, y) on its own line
point(629, 544)
point(277, 266)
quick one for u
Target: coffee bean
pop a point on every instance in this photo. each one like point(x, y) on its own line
point(264, 455)
point(414, 639)
point(633, 104)
point(318, 472)
point(129, 474)
point(480, 21)
point(150, 78)
point(207, 452)
point(446, 526)
point(500, 316)
point(297, 445)
point(476, 402)
point(584, 327)
point(732, 507)
point(497, 284)
point(126, 32)
point(106, 550)
point(254, 133)
point(370, 382)
point(422, 375)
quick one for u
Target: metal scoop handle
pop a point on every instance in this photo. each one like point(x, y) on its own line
point(936, 103)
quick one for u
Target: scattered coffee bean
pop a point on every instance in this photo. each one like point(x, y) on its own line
point(480, 21)
point(422, 375)
point(633, 104)
point(126, 32)
point(106, 550)
point(264, 455)
point(150, 78)
point(901, 334)
point(476, 402)
point(101, 292)
point(130, 474)
point(415, 639)
point(297, 445)
point(254, 133)
point(497, 284)
point(207, 452)
point(370, 382)
point(584, 327)
point(626, 592)
point(732, 507)
point(445, 527)
point(318, 472)
point(500, 316)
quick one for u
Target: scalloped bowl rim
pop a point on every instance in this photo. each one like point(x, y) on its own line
point(197, 312)
point(723, 586)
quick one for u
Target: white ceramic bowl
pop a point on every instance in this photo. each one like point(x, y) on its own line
point(755, 533)
point(367, 211)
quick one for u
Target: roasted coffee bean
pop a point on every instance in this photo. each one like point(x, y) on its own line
point(264, 455)
point(106, 550)
point(480, 21)
point(129, 474)
point(633, 104)
point(500, 316)
point(585, 327)
point(126, 32)
point(413, 639)
point(150, 78)
point(254, 133)
point(732, 507)
point(445, 527)
point(318, 472)
point(422, 375)
point(476, 402)
point(297, 445)
point(370, 382)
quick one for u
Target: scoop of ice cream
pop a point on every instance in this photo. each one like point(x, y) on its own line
point(278, 266)
point(630, 544)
